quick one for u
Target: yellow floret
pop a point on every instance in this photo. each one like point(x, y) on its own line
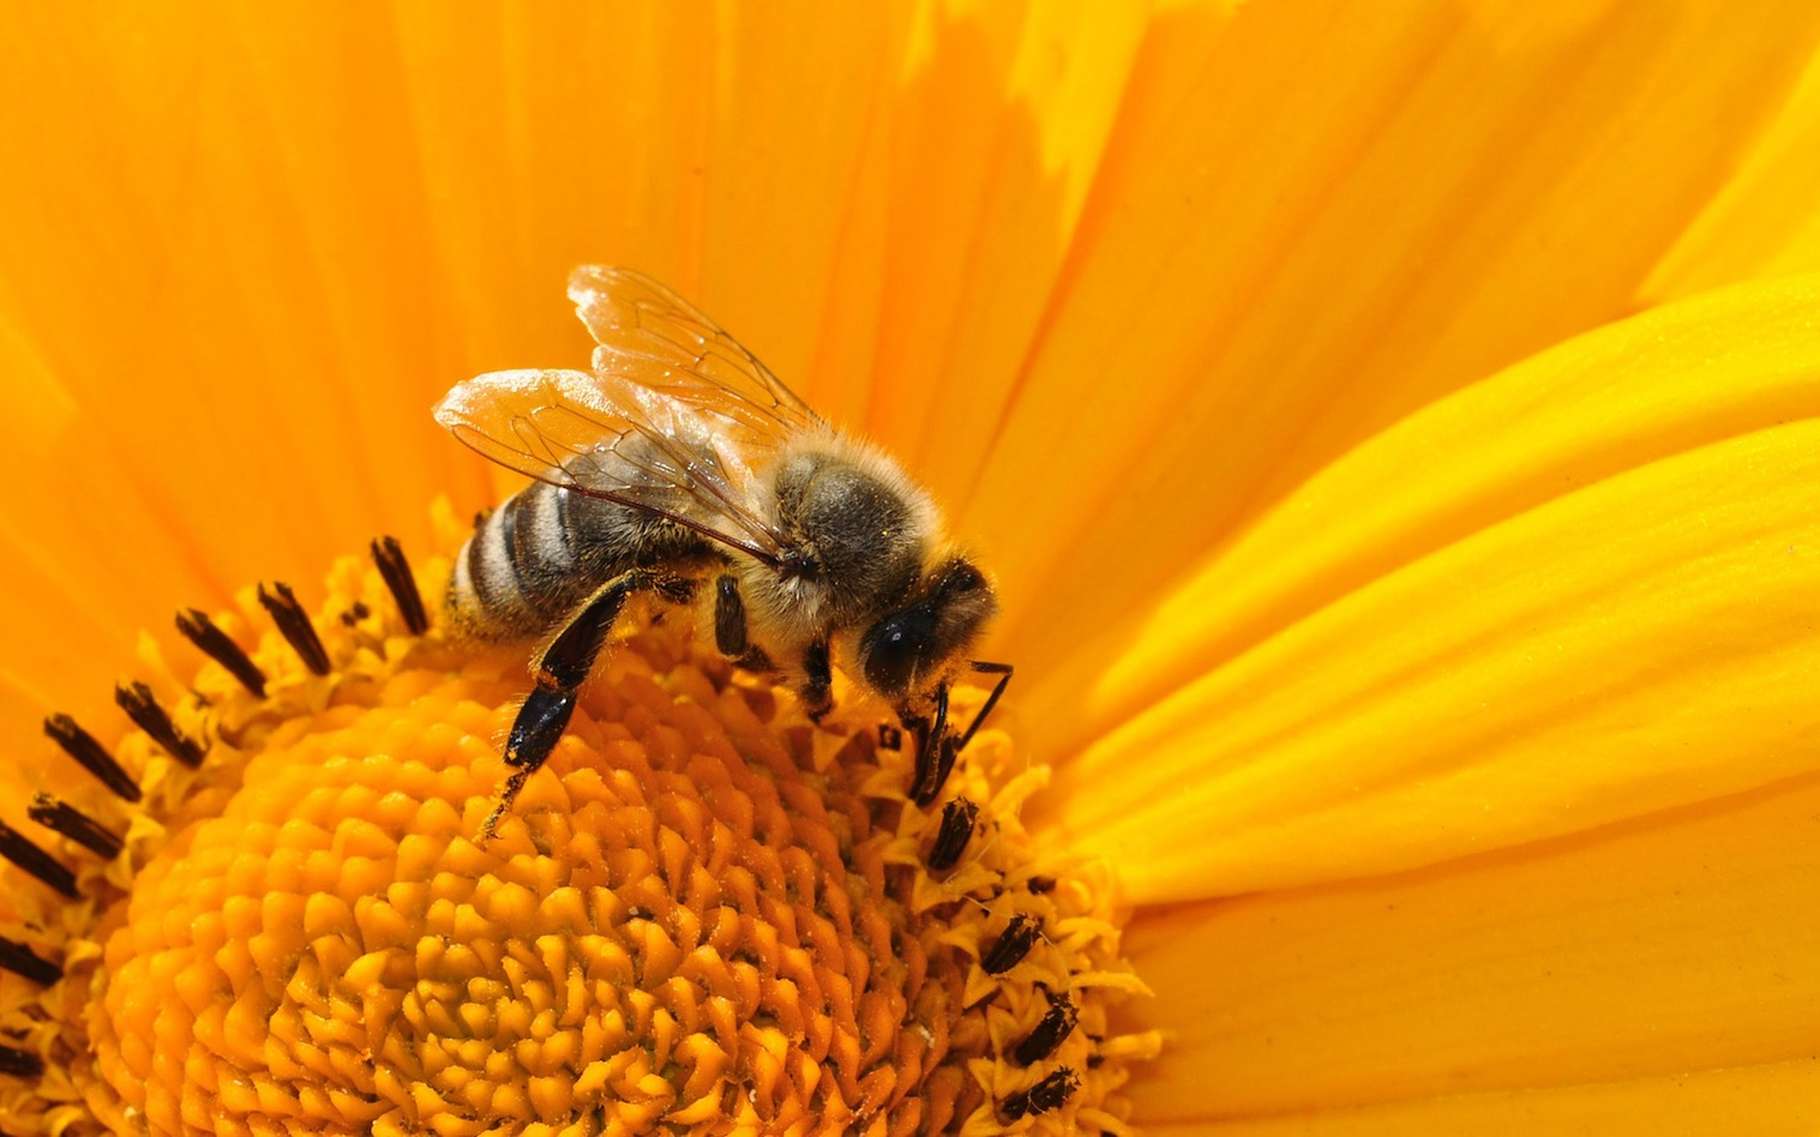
point(705, 914)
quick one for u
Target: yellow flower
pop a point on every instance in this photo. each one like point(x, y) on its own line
point(1394, 431)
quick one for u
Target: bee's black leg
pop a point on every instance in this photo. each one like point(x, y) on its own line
point(818, 682)
point(1003, 671)
point(559, 671)
point(931, 741)
point(936, 752)
point(729, 618)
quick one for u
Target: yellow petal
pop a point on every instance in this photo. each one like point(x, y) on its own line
point(1776, 1100)
point(991, 153)
point(1766, 222)
point(1581, 590)
point(1269, 271)
point(1647, 951)
point(81, 538)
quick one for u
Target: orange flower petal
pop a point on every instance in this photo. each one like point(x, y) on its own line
point(1766, 221)
point(1578, 591)
point(1776, 1100)
point(1309, 223)
point(1652, 950)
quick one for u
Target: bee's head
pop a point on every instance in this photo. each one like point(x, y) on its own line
point(917, 641)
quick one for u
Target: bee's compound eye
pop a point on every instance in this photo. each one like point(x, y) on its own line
point(893, 650)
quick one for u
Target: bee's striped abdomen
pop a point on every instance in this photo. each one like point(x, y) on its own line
point(519, 571)
point(545, 550)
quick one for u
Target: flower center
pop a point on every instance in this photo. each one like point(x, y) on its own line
point(705, 914)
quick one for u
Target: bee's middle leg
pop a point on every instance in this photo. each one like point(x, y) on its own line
point(730, 618)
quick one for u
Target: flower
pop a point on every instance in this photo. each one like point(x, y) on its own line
point(1393, 433)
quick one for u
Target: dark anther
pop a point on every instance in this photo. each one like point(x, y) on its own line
point(951, 839)
point(1012, 945)
point(1095, 1061)
point(20, 1063)
point(388, 554)
point(1038, 885)
point(140, 705)
point(214, 643)
point(294, 622)
point(21, 960)
point(91, 756)
point(18, 848)
point(1048, 1034)
point(1050, 1093)
point(889, 737)
point(357, 612)
point(64, 818)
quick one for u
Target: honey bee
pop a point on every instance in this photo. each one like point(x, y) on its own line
point(681, 468)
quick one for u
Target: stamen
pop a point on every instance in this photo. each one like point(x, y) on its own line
point(1050, 1093)
point(295, 625)
point(20, 1063)
point(19, 849)
point(214, 643)
point(808, 823)
point(22, 960)
point(140, 705)
point(64, 818)
point(958, 818)
point(1049, 1033)
point(1013, 944)
point(388, 554)
point(91, 756)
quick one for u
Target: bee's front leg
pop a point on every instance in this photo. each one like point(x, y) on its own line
point(936, 749)
point(818, 680)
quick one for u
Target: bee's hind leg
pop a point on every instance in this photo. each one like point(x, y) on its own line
point(559, 670)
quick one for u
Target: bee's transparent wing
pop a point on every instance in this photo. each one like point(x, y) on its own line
point(606, 438)
point(653, 338)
